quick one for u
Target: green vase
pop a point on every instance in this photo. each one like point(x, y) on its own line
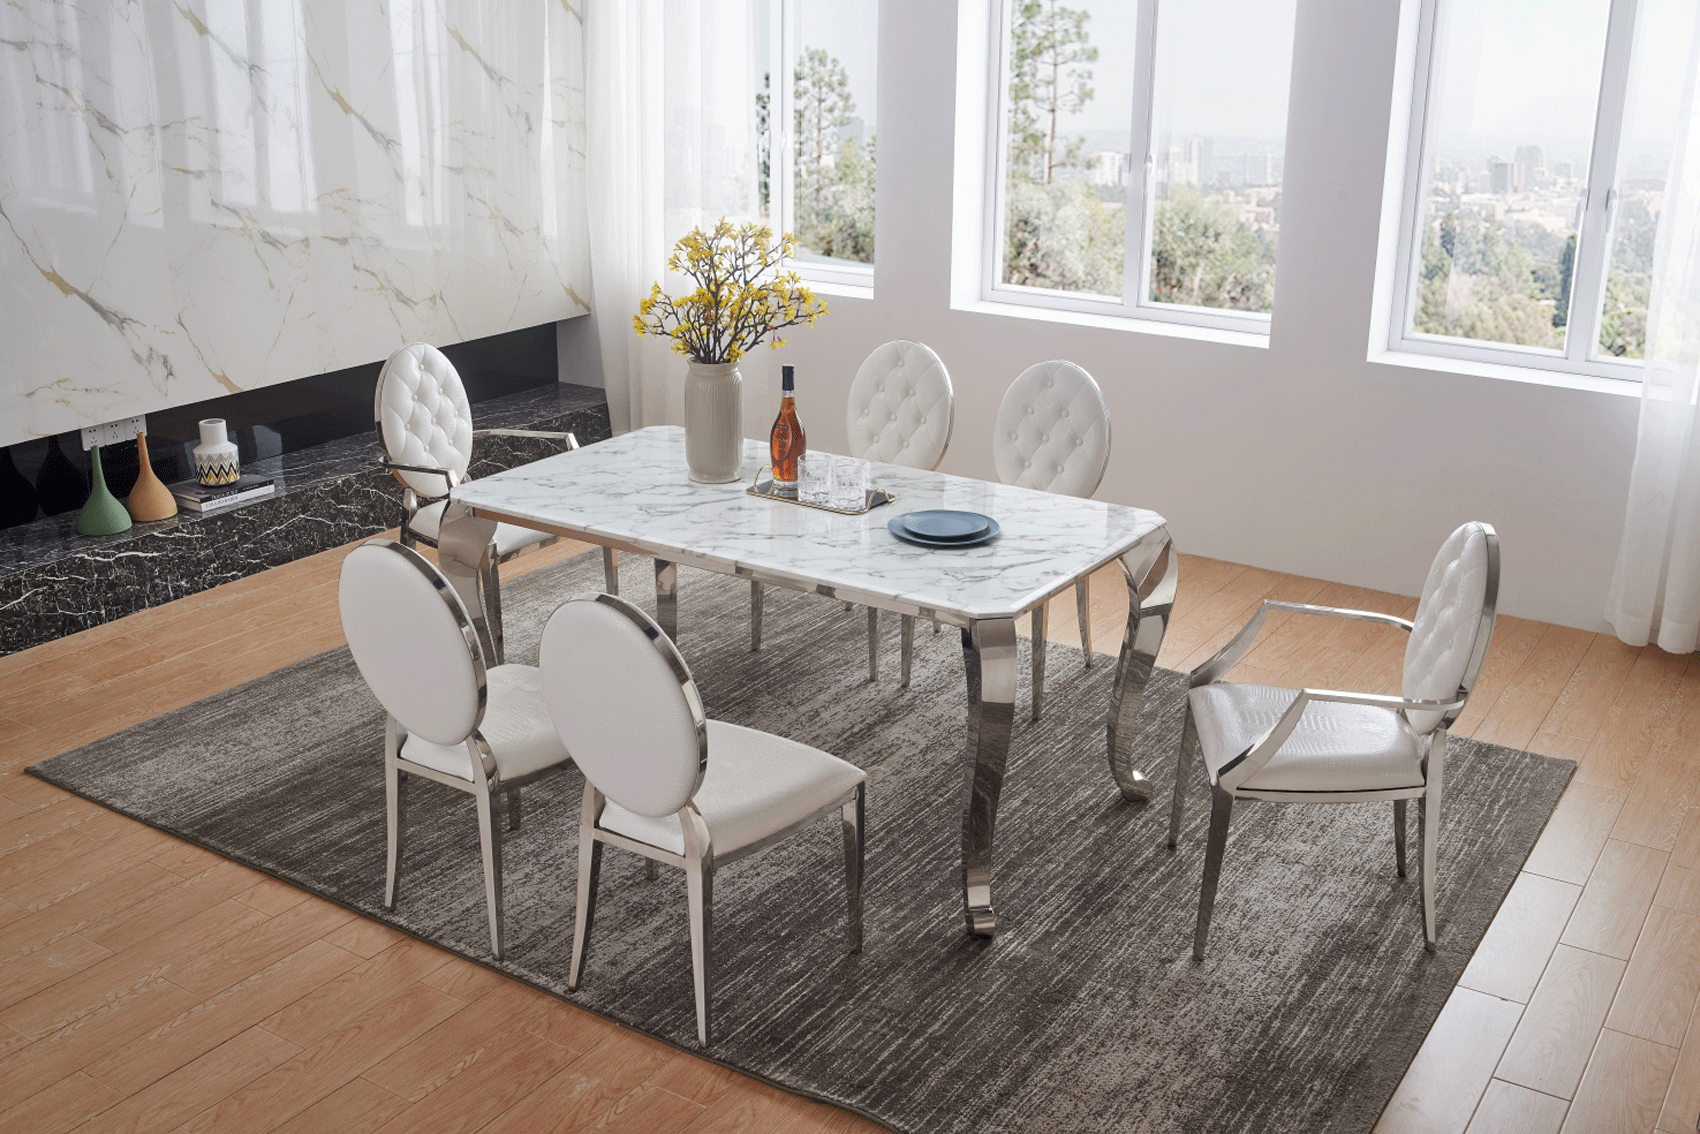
point(102, 514)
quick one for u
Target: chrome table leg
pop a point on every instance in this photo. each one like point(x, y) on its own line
point(667, 597)
point(1083, 604)
point(988, 654)
point(755, 614)
point(907, 642)
point(873, 644)
point(611, 570)
point(463, 552)
point(1152, 570)
point(1399, 836)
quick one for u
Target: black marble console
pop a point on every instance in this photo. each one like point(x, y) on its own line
point(54, 582)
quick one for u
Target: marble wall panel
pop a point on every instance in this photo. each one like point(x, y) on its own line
point(204, 196)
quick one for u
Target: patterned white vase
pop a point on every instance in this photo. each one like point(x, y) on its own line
point(714, 421)
point(215, 456)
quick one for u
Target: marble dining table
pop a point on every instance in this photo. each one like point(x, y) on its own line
point(632, 493)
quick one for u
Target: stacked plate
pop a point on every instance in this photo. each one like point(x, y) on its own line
point(942, 527)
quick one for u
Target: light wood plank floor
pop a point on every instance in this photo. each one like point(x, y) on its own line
point(148, 985)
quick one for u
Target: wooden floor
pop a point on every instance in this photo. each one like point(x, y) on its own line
point(147, 985)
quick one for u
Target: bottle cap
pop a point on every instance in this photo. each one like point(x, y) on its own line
point(788, 378)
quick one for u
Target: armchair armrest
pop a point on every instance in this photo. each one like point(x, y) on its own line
point(1247, 763)
point(1228, 655)
point(448, 476)
point(572, 442)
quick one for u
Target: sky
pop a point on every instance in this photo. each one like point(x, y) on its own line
point(849, 30)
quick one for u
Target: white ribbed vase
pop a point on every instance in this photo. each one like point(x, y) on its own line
point(714, 421)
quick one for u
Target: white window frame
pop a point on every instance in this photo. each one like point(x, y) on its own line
point(1593, 238)
point(784, 46)
point(1135, 301)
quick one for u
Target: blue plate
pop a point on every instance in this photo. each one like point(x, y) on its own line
point(897, 528)
point(944, 525)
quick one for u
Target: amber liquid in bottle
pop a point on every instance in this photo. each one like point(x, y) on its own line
point(787, 442)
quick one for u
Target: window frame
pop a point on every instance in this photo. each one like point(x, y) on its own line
point(784, 46)
point(1135, 301)
point(1594, 234)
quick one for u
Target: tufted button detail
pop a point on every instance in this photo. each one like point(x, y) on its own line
point(1079, 441)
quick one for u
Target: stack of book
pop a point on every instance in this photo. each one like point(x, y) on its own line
point(194, 496)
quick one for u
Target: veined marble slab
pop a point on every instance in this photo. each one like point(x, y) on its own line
point(632, 490)
point(206, 196)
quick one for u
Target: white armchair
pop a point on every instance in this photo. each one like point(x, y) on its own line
point(1053, 434)
point(663, 781)
point(482, 730)
point(425, 435)
point(1322, 746)
point(900, 411)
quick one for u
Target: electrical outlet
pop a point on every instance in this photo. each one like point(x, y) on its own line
point(111, 433)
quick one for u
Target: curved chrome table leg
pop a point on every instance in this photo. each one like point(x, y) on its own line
point(1152, 570)
point(988, 654)
point(463, 552)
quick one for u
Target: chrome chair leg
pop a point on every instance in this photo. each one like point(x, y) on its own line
point(1221, 809)
point(1428, 818)
point(589, 868)
point(855, 816)
point(1183, 774)
point(907, 639)
point(493, 605)
point(699, 882)
point(1038, 659)
point(1399, 835)
point(873, 644)
point(393, 800)
point(651, 870)
point(512, 801)
point(611, 570)
point(1083, 604)
point(490, 840)
point(755, 614)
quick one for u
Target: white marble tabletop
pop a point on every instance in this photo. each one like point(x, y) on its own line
point(632, 491)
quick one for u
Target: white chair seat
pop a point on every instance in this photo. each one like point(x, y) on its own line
point(516, 725)
point(757, 784)
point(428, 521)
point(1334, 747)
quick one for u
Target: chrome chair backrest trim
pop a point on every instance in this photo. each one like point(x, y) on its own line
point(457, 611)
point(669, 652)
point(1490, 607)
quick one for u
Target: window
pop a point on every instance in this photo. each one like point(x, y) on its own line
point(815, 120)
point(1543, 135)
point(1139, 153)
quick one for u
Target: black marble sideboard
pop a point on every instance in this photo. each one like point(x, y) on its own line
point(55, 582)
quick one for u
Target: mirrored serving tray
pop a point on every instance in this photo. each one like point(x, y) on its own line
point(764, 488)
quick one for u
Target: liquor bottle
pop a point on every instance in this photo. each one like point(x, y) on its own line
point(788, 442)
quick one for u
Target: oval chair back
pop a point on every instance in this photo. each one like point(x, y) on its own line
point(624, 703)
point(423, 417)
point(901, 408)
point(412, 641)
point(1053, 431)
point(1453, 624)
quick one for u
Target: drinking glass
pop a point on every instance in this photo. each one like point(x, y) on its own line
point(849, 484)
point(814, 478)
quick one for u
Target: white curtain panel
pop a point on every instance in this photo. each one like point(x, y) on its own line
point(1655, 591)
point(670, 105)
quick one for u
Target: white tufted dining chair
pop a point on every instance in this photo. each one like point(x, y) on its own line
point(1053, 435)
point(425, 434)
point(1322, 746)
point(900, 412)
point(662, 780)
point(451, 718)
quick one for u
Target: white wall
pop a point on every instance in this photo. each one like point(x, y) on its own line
point(1301, 456)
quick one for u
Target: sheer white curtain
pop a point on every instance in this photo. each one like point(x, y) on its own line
point(670, 109)
point(1655, 591)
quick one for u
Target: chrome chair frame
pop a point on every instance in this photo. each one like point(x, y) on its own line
point(1259, 752)
point(700, 860)
point(486, 784)
point(412, 502)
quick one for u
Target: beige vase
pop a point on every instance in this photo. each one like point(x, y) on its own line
point(714, 421)
point(150, 499)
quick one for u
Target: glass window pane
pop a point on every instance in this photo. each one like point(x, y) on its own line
point(1512, 98)
point(833, 86)
point(1664, 31)
point(1068, 107)
point(1218, 136)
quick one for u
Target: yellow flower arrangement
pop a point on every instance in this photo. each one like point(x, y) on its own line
point(739, 298)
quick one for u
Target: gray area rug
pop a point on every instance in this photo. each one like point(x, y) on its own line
point(1086, 1013)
